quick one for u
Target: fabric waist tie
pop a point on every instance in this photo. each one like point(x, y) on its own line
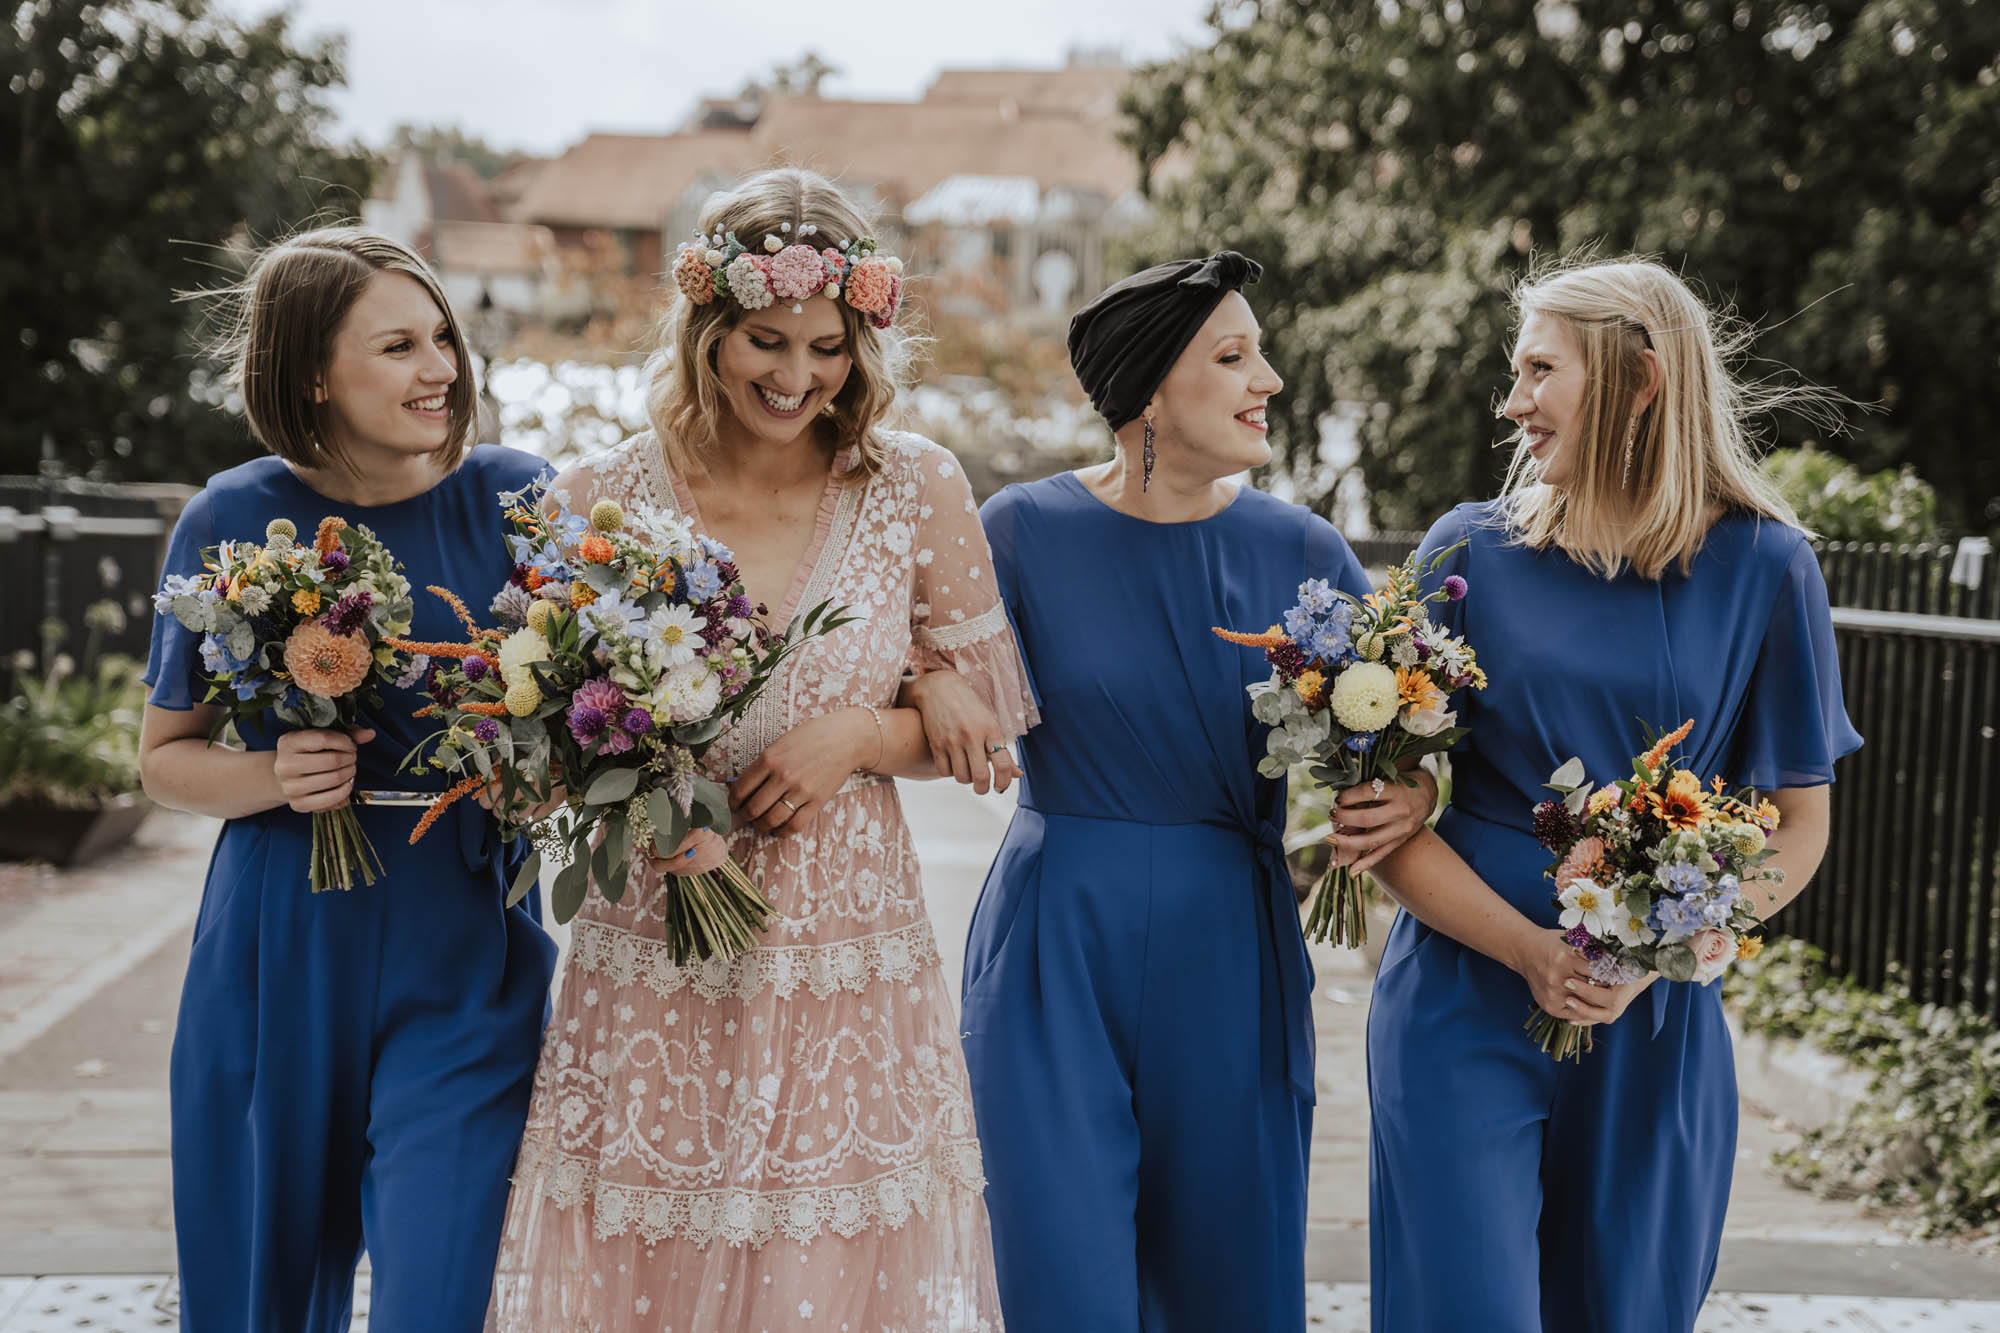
point(1280, 908)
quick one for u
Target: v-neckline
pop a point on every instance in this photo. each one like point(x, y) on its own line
point(809, 561)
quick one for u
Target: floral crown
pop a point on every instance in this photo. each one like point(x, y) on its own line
point(721, 265)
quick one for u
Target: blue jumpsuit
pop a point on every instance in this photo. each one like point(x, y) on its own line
point(1509, 1193)
point(352, 1068)
point(1137, 1016)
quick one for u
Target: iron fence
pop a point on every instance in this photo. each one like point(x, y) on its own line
point(69, 544)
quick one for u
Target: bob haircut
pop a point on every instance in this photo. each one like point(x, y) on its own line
point(1692, 448)
point(685, 399)
point(281, 324)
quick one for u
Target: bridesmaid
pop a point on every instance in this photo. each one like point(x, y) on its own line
point(348, 1069)
point(1137, 1013)
point(1636, 566)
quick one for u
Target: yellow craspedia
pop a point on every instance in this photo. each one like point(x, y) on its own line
point(1749, 946)
point(1311, 687)
point(281, 527)
point(538, 616)
point(1369, 645)
point(306, 602)
point(1364, 697)
point(524, 696)
point(606, 516)
point(581, 594)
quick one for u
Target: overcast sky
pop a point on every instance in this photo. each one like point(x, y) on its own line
point(539, 74)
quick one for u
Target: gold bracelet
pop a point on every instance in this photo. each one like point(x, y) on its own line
point(881, 738)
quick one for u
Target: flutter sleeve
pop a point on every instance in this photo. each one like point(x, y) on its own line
point(1449, 531)
point(1794, 723)
point(173, 666)
point(958, 622)
point(1329, 557)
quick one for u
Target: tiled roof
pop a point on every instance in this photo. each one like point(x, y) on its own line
point(628, 180)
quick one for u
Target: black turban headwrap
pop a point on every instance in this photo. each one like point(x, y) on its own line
point(1123, 343)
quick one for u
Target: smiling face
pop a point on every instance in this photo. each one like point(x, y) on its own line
point(1546, 401)
point(390, 365)
point(1209, 411)
point(779, 369)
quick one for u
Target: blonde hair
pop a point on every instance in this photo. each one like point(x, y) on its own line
point(685, 399)
point(278, 339)
point(1693, 448)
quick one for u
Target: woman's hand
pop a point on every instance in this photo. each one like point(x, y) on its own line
point(965, 737)
point(784, 789)
point(1367, 826)
point(701, 851)
point(315, 767)
point(1560, 980)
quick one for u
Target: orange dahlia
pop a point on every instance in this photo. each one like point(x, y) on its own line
point(325, 663)
point(597, 551)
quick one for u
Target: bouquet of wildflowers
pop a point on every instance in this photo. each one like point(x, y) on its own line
point(300, 632)
point(627, 644)
point(1357, 687)
point(1653, 874)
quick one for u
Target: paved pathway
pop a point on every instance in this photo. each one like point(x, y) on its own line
point(90, 969)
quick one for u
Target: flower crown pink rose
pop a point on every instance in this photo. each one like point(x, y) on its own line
point(722, 266)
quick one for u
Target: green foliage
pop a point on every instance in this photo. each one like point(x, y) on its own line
point(70, 737)
point(1841, 503)
point(1830, 170)
point(1927, 1137)
point(145, 136)
point(454, 144)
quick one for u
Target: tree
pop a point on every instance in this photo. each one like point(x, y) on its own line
point(1841, 503)
point(147, 140)
point(1830, 169)
point(449, 142)
point(801, 78)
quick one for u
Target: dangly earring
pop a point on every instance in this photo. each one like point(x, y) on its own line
point(1146, 482)
point(1631, 434)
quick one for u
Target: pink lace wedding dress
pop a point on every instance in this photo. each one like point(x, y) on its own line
point(785, 1140)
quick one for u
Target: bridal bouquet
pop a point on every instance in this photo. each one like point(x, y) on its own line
point(625, 645)
point(1357, 687)
point(301, 632)
point(1653, 874)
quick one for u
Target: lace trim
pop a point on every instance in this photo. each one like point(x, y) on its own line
point(747, 1216)
point(628, 958)
point(955, 638)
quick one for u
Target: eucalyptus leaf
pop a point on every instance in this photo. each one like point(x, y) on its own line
point(712, 800)
point(525, 878)
point(613, 786)
point(1676, 962)
point(572, 881)
point(1568, 777)
point(699, 733)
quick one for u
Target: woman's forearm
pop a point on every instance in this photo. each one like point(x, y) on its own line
point(898, 749)
point(1804, 826)
point(1433, 883)
point(189, 773)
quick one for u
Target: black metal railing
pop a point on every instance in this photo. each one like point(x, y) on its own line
point(69, 544)
point(1908, 885)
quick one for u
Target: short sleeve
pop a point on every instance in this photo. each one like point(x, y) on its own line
point(173, 666)
point(1794, 723)
point(1329, 557)
point(958, 622)
point(1451, 530)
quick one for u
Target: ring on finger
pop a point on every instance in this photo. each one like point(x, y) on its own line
point(788, 805)
point(995, 749)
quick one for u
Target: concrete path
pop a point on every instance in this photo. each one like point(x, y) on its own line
point(90, 971)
